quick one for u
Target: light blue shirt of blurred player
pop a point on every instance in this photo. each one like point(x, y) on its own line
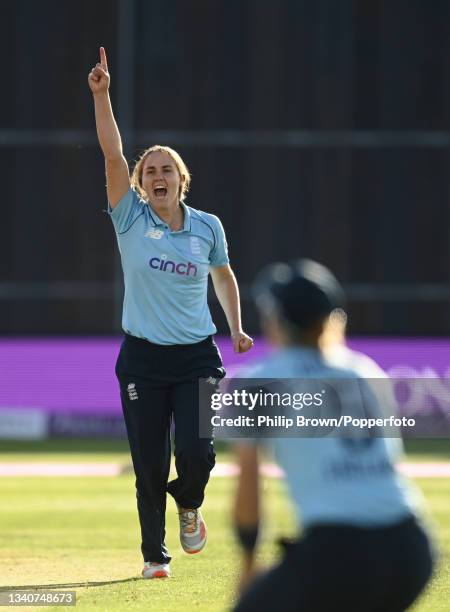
point(166, 272)
point(334, 480)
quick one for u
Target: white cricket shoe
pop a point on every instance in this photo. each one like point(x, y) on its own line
point(192, 530)
point(156, 570)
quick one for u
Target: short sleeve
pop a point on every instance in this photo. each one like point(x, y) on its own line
point(126, 211)
point(219, 254)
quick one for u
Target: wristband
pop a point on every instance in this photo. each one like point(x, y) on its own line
point(247, 536)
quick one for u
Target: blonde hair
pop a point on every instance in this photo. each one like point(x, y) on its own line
point(136, 176)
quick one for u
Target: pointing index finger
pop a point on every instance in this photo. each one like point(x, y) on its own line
point(103, 60)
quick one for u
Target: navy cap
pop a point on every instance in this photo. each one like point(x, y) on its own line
point(302, 292)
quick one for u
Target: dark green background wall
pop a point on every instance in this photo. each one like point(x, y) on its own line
point(312, 128)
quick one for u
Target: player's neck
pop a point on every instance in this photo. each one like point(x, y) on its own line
point(305, 338)
point(172, 214)
point(305, 342)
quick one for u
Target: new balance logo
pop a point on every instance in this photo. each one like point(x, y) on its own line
point(132, 393)
point(211, 380)
point(154, 233)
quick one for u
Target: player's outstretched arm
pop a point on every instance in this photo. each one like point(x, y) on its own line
point(247, 510)
point(117, 172)
point(227, 291)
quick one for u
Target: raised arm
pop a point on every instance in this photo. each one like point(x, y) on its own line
point(117, 172)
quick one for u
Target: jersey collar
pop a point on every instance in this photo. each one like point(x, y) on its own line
point(156, 220)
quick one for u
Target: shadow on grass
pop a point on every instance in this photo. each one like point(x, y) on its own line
point(64, 585)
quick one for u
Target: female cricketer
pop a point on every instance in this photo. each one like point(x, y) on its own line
point(363, 547)
point(167, 250)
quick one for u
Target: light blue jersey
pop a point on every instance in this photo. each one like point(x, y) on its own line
point(336, 480)
point(166, 272)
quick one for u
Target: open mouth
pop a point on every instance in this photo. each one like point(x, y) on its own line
point(160, 192)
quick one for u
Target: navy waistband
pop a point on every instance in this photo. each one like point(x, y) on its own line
point(144, 342)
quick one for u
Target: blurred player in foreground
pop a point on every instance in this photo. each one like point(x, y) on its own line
point(167, 249)
point(363, 548)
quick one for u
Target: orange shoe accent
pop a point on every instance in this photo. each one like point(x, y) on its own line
point(155, 570)
point(161, 574)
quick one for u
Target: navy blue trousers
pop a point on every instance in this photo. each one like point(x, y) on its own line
point(159, 384)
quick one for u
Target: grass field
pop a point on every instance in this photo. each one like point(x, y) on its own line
point(82, 534)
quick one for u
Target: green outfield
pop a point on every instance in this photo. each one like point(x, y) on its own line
point(82, 533)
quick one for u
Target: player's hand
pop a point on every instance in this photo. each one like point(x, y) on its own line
point(241, 342)
point(99, 78)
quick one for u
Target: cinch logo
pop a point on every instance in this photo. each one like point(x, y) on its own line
point(166, 265)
